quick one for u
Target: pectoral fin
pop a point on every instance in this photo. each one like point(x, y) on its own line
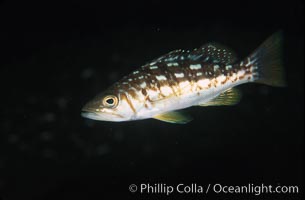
point(173, 117)
point(230, 97)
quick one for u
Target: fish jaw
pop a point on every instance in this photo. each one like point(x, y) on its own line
point(102, 114)
point(91, 115)
point(101, 117)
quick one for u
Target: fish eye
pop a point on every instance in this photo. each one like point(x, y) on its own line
point(110, 101)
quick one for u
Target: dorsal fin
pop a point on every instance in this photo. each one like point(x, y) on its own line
point(218, 53)
point(228, 98)
point(173, 56)
point(208, 53)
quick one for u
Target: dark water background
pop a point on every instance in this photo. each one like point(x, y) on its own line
point(56, 55)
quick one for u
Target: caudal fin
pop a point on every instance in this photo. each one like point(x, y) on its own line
point(267, 61)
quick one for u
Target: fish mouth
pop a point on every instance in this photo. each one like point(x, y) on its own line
point(102, 116)
point(89, 112)
point(91, 115)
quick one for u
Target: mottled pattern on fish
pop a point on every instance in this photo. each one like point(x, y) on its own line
point(204, 77)
point(181, 72)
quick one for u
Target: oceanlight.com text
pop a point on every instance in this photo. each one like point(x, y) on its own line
point(217, 188)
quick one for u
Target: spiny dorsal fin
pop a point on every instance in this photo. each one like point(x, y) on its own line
point(208, 53)
point(173, 117)
point(230, 97)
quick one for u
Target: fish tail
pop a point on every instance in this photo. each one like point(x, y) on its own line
point(267, 61)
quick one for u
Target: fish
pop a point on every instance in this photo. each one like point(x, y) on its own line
point(205, 76)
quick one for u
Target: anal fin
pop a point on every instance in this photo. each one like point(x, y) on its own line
point(229, 97)
point(173, 117)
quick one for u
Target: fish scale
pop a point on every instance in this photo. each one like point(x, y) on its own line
point(178, 75)
point(205, 76)
point(171, 76)
point(180, 78)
